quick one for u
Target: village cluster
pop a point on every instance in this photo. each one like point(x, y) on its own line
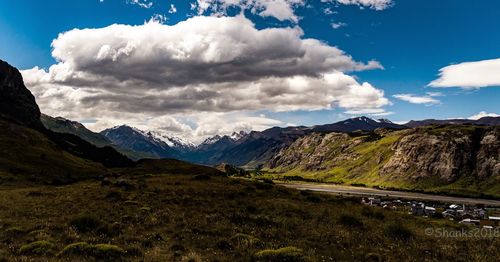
point(465, 214)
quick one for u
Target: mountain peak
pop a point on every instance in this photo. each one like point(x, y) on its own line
point(16, 101)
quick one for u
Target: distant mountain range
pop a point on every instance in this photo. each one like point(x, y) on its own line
point(249, 150)
point(485, 121)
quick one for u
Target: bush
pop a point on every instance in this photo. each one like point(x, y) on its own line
point(314, 199)
point(348, 220)
point(245, 240)
point(85, 223)
point(107, 251)
point(14, 232)
point(37, 248)
point(263, 185)
point(369, 212)
point(399, 231)
point(289, 254)
point(373, 257)
point(134, 252)
point(191, 257)
point(76, 249)
point(202, 177)
point(224, 245)
point(99, 251)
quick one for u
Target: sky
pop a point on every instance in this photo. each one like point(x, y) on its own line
point(197, 68)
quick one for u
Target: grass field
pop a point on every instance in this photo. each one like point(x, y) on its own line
point(209, 218)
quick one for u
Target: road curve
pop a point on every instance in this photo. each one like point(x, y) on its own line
point(364, 191)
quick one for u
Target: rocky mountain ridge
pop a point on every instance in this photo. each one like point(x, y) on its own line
point(426, 157)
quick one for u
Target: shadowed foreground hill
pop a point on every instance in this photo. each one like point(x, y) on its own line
point(18, 107)
point(27, 154)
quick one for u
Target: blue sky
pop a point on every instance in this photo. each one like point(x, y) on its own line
point(412, 40)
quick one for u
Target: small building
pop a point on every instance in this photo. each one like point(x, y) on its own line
point(486, 223)
point(469, 221)
point(480, 213)
point(495, 220)
point(418, 209)
point(430, 211)
point(374, 201)
point(450, 213)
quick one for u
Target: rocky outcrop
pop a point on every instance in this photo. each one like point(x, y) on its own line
point(16, 101)
point(450, 154)
point(315, 152)
point(440, 154)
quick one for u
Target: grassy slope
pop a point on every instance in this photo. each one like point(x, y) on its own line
point(28, 154)
point(170, 218)
point(372, 155)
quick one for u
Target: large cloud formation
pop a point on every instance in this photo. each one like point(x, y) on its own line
point(201, 65)
point(469, 75)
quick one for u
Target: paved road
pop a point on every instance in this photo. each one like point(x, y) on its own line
point(362, 191)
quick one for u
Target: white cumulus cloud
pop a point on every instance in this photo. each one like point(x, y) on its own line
point(483, 114)
point(204, 65)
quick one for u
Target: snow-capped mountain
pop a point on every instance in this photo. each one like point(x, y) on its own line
point(140, 141)
point(171, 141)
point(211, 140)
point(235, 136)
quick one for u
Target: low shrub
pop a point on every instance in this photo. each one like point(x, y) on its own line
point(202, 177)
point(245, 240)
point(85, 223)
point(289, 254)
point(115, 195)
point(373, 257)
point(348, 220)
point(107, 251)
point(76, 249)
point(14, 232)
point(37, 248)
point(371, 213)
point(224, 245)
point(192, 257)
point(134, 251)
point(399, 231)
point(314, 198)
point(263, 185)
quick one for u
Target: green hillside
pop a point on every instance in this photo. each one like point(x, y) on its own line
point(366, 160)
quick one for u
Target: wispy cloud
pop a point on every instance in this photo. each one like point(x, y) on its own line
point(337, 25)
point(415, 99)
